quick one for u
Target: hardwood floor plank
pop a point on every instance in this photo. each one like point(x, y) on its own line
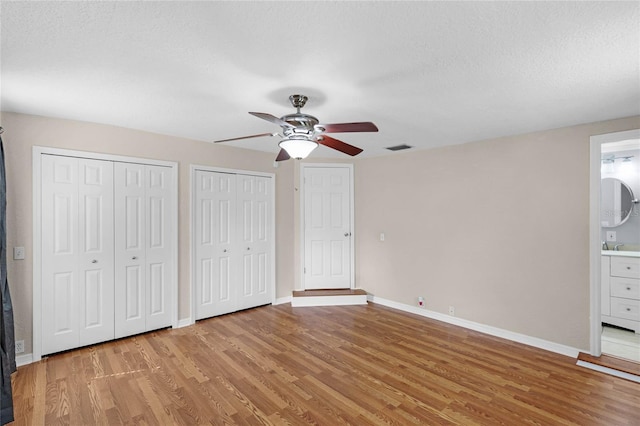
point(351, 365)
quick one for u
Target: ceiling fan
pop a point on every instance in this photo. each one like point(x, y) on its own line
point(302, 133)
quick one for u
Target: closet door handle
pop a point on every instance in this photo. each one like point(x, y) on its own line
point(134, 257)
point(94, 261)
point(248, 248)
point(224, 251)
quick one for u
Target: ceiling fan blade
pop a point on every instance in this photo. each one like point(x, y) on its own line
point(282, 155)
point(338, 145)
point(271, 118)
point(245, 137)
point(364, 126)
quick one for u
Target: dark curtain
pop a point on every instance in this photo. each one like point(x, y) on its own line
point(7, 342)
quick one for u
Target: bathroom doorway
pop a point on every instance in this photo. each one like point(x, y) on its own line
point(615, 245)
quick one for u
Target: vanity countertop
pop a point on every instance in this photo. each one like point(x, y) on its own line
point(621, 253)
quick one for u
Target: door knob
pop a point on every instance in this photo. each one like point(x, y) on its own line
point(224, 251)
point(94, 261)
point(248, 248)
point(347, 234)
point(134, 257)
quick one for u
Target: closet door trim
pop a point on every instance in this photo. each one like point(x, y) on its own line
point(37, 153)
point(192, 222)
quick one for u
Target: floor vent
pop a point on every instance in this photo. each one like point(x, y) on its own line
point(398, 147)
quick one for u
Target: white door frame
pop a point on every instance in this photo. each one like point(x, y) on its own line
point(595, 244)
point(37, 152)
point(192, 200)
point(303, 166)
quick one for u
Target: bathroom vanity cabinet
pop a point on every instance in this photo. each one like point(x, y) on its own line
point(620, 286)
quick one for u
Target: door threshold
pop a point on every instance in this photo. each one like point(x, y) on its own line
point(610, 364)
point(329, 297)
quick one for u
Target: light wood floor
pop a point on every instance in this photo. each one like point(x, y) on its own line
point(355, 365)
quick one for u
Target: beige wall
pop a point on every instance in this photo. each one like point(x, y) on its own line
point(24, 131)
point(499, 229)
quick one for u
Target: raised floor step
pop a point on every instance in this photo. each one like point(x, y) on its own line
point(329, 297)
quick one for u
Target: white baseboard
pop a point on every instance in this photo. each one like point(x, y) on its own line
point(282, 300)
point(24, 359)
point(185, 322)
point(493, 331)
point(487, 329)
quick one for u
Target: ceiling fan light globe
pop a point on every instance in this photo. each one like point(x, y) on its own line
point(298, 148)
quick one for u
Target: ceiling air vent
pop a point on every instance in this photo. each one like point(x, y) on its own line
point(398, 147)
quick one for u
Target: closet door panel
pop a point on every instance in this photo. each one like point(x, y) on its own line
point(60, 295)
point(158, 249)
point(77, 252)
point(205, 235)
point(130, 260)
point(96, 244)
point(254, 228)
point(214, 234)
point(224, 248)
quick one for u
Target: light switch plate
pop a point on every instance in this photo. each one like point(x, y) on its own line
point(611, 236)
point(18, 253)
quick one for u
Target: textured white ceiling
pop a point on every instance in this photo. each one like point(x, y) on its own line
point(427, 73)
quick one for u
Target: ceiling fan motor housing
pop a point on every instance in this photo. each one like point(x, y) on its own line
point(300, 121)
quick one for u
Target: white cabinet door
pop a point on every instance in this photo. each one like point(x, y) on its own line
point(77, 252)
point(327, 227)
point(232, 239)
point(143, 265)
point(253, 218)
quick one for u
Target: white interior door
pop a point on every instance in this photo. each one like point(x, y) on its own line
point(253, 218)
point(232, 242)
point(215, 243)
point(130, 256)
point(143, 248)
point(105, 254)
point(77, 252)
point(327, 227)
point(95, 234)
point(158, 219)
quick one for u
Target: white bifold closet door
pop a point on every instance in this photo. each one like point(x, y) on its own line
point(142, 248)
point(233, 231)
point(107, 258)
point(77, 245)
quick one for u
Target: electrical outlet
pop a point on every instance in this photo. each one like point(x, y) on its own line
point(452, 311)
point(18, 253)
point(19, 346)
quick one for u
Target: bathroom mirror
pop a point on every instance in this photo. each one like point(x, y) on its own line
point(616, 202)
